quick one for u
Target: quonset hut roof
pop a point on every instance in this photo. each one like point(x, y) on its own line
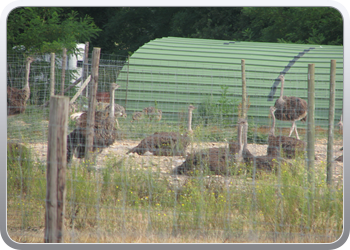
point(175, 72)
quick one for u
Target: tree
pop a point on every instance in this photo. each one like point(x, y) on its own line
point(129, 28)
point(125, 29)
point(206, 22)
point(43, 30)
point(313, 25)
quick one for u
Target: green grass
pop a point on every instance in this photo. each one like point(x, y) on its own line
point(31, 126)
point(124, 198)
point(135, 202)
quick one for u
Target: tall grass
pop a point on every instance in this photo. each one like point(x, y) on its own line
point(124, 201)
point(128, 202)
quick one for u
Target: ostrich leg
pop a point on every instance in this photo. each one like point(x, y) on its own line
point(117, 123)
point(294, 127)
point(296, 131)
point(291, 129)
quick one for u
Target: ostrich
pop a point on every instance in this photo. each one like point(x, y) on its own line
point(17, 98)
point(104, 130)
point(290, 108)
point(103, 97)
point(119, 112)
point(136, 116)
point(166, 143)
point(290, 146)
point(153, 112)
point(340, 158)
point(266, 162)
point(81, 117)
point(216, 159)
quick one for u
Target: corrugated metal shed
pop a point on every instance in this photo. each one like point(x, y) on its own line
point(176, 72)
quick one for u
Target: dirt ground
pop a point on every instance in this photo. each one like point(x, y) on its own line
point(166, 164)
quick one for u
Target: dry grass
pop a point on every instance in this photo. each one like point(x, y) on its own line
point(97, 236)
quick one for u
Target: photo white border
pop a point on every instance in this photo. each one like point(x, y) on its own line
point(7, 5)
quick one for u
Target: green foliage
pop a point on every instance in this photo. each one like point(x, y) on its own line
point(33, 124)
point(126, 29)
point(313, 25)
point(126, 196)
point(220, 112)
point(18, 156)
point(22, 170)
point(292, 203)
point(254, 136)
point(47, 29)
point(129, 28)
point(206, 22)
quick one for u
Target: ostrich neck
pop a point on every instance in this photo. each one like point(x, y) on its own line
point(26, 84)
point(282, 87)
point(111, 105)
point(189, 120)
point(272, 131)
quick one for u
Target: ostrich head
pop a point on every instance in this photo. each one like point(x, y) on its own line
point(30, 59)
point(272, 110)
point(191, 107)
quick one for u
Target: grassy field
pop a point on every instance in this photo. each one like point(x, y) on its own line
point(128, 202)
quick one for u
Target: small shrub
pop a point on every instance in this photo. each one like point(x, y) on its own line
point(220, 112)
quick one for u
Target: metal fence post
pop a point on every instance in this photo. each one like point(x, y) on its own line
point(244, 91)
point(311, 125)
point(331, 123)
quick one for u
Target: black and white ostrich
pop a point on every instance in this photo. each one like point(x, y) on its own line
point(267, 162)
point(104, 130)
point(290, 108)
point(217, 160)
point(153, 112)
point(291, 147)
point(166, 143)
point(119, 110)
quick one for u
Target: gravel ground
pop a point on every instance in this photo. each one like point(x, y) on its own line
point(165, 164)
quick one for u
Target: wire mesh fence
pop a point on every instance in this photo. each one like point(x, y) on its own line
point(123, 196)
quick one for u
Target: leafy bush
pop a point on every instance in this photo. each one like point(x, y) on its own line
point(220, 112)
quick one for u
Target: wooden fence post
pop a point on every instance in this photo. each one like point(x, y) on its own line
point(244, 91)
point(63, 76)
point(331, 123)
point(92, 102)
point(56, 169)
point(311, 126)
